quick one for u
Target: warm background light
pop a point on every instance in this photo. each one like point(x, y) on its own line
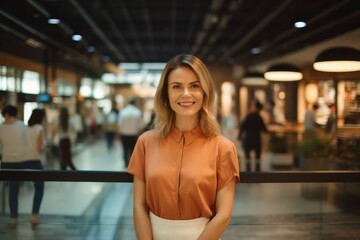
point(311, 92)
point(283, 76)
point(337, 66)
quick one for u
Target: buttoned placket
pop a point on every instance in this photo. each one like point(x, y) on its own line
point(178, 170)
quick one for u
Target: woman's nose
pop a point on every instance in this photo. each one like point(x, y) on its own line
point(186, 92)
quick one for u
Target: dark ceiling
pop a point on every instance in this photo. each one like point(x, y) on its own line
point(155, 30)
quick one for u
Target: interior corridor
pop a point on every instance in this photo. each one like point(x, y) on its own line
point(95, 210)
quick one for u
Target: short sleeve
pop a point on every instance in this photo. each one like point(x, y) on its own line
point(228, 164)
point(137, 161)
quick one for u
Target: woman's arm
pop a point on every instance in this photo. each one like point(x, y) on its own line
point(41, 141)
point(141, 212)
point(224, 206)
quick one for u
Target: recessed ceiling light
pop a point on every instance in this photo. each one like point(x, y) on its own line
point(300, 24)
point(76, 37)
point(255, 50)
point(214, 19)
point(91, 49)
point(106, 58)
point(53, 21)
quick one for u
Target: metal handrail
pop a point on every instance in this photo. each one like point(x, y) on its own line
point(116, 176)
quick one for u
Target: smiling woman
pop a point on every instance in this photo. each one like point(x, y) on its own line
point(197, 74)
point(185, 97)
point(184, 170)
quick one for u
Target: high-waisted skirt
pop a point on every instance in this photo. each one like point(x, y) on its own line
point(164, 229)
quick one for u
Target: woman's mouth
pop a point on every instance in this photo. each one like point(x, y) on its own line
point(186, 104)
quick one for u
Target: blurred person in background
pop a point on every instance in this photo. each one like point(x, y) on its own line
point(330, 126)
point(19, 153)
point(36, 140)
point(250, 135)
point(130, 125)
point(229, 126)
point(79, 127)
point(64, 131)
point(310, 124)
point(100, 119)
point(111, 127)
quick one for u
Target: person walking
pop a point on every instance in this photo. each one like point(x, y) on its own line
point(64, 131)
point(331, 123)
point(130, 125)
point(21, 148)
point(250, 135)
point(111, 127)
point(184, 170)
point(310, 124)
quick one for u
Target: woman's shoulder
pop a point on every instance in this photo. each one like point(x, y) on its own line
point(38, 127)
point(222, 141)
point(18, 125)
point(149, 135)
point(34, 129)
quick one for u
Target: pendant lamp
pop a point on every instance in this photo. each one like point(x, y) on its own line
point(338, 59)
point(254, 79)
point(283, 72)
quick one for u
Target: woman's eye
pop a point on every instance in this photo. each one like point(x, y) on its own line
point(196, 85)
point(176, 86)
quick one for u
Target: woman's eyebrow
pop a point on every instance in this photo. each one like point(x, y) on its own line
point(175, 83)
point(179, 83)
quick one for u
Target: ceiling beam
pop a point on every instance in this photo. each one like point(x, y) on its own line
point(190, 32)
point(227, 54)
point(47, 14)
point(133, 30)
point(295, 44)
point(149, 28)
point(76, 56)
point(233, 7)
point(275, 44)
point(97, 30)
point(116, 31)
point(215, 5)
point(173, 23)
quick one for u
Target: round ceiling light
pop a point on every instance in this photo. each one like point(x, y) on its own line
point(254, 79)
point(338, 59)
point(283, 72)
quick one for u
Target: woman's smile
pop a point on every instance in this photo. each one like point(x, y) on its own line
point(186, 104)
point(185, 93)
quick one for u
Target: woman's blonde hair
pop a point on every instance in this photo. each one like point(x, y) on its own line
point(165, 116)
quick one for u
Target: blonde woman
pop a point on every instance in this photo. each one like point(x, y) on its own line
point(184, 171)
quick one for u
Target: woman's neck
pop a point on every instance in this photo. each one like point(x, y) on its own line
point(185, 124)
point(10, 120)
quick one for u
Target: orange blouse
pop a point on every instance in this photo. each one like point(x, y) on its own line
point(183, 172)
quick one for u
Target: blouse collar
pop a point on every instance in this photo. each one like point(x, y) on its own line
point(189, 136)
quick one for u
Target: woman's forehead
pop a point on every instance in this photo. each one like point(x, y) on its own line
point(182, 75)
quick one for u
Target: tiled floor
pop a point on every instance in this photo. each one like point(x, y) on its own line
point(96, 211)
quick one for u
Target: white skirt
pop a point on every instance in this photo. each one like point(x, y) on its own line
point(164, 229)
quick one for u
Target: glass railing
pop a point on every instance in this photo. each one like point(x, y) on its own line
point(268, 205)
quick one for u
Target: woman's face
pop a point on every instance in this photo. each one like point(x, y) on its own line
point(185, 92)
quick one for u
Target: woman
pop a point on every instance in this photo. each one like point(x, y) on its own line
point(64, 131)
point(17, 153)
point(184, 170)
point(36, 140)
